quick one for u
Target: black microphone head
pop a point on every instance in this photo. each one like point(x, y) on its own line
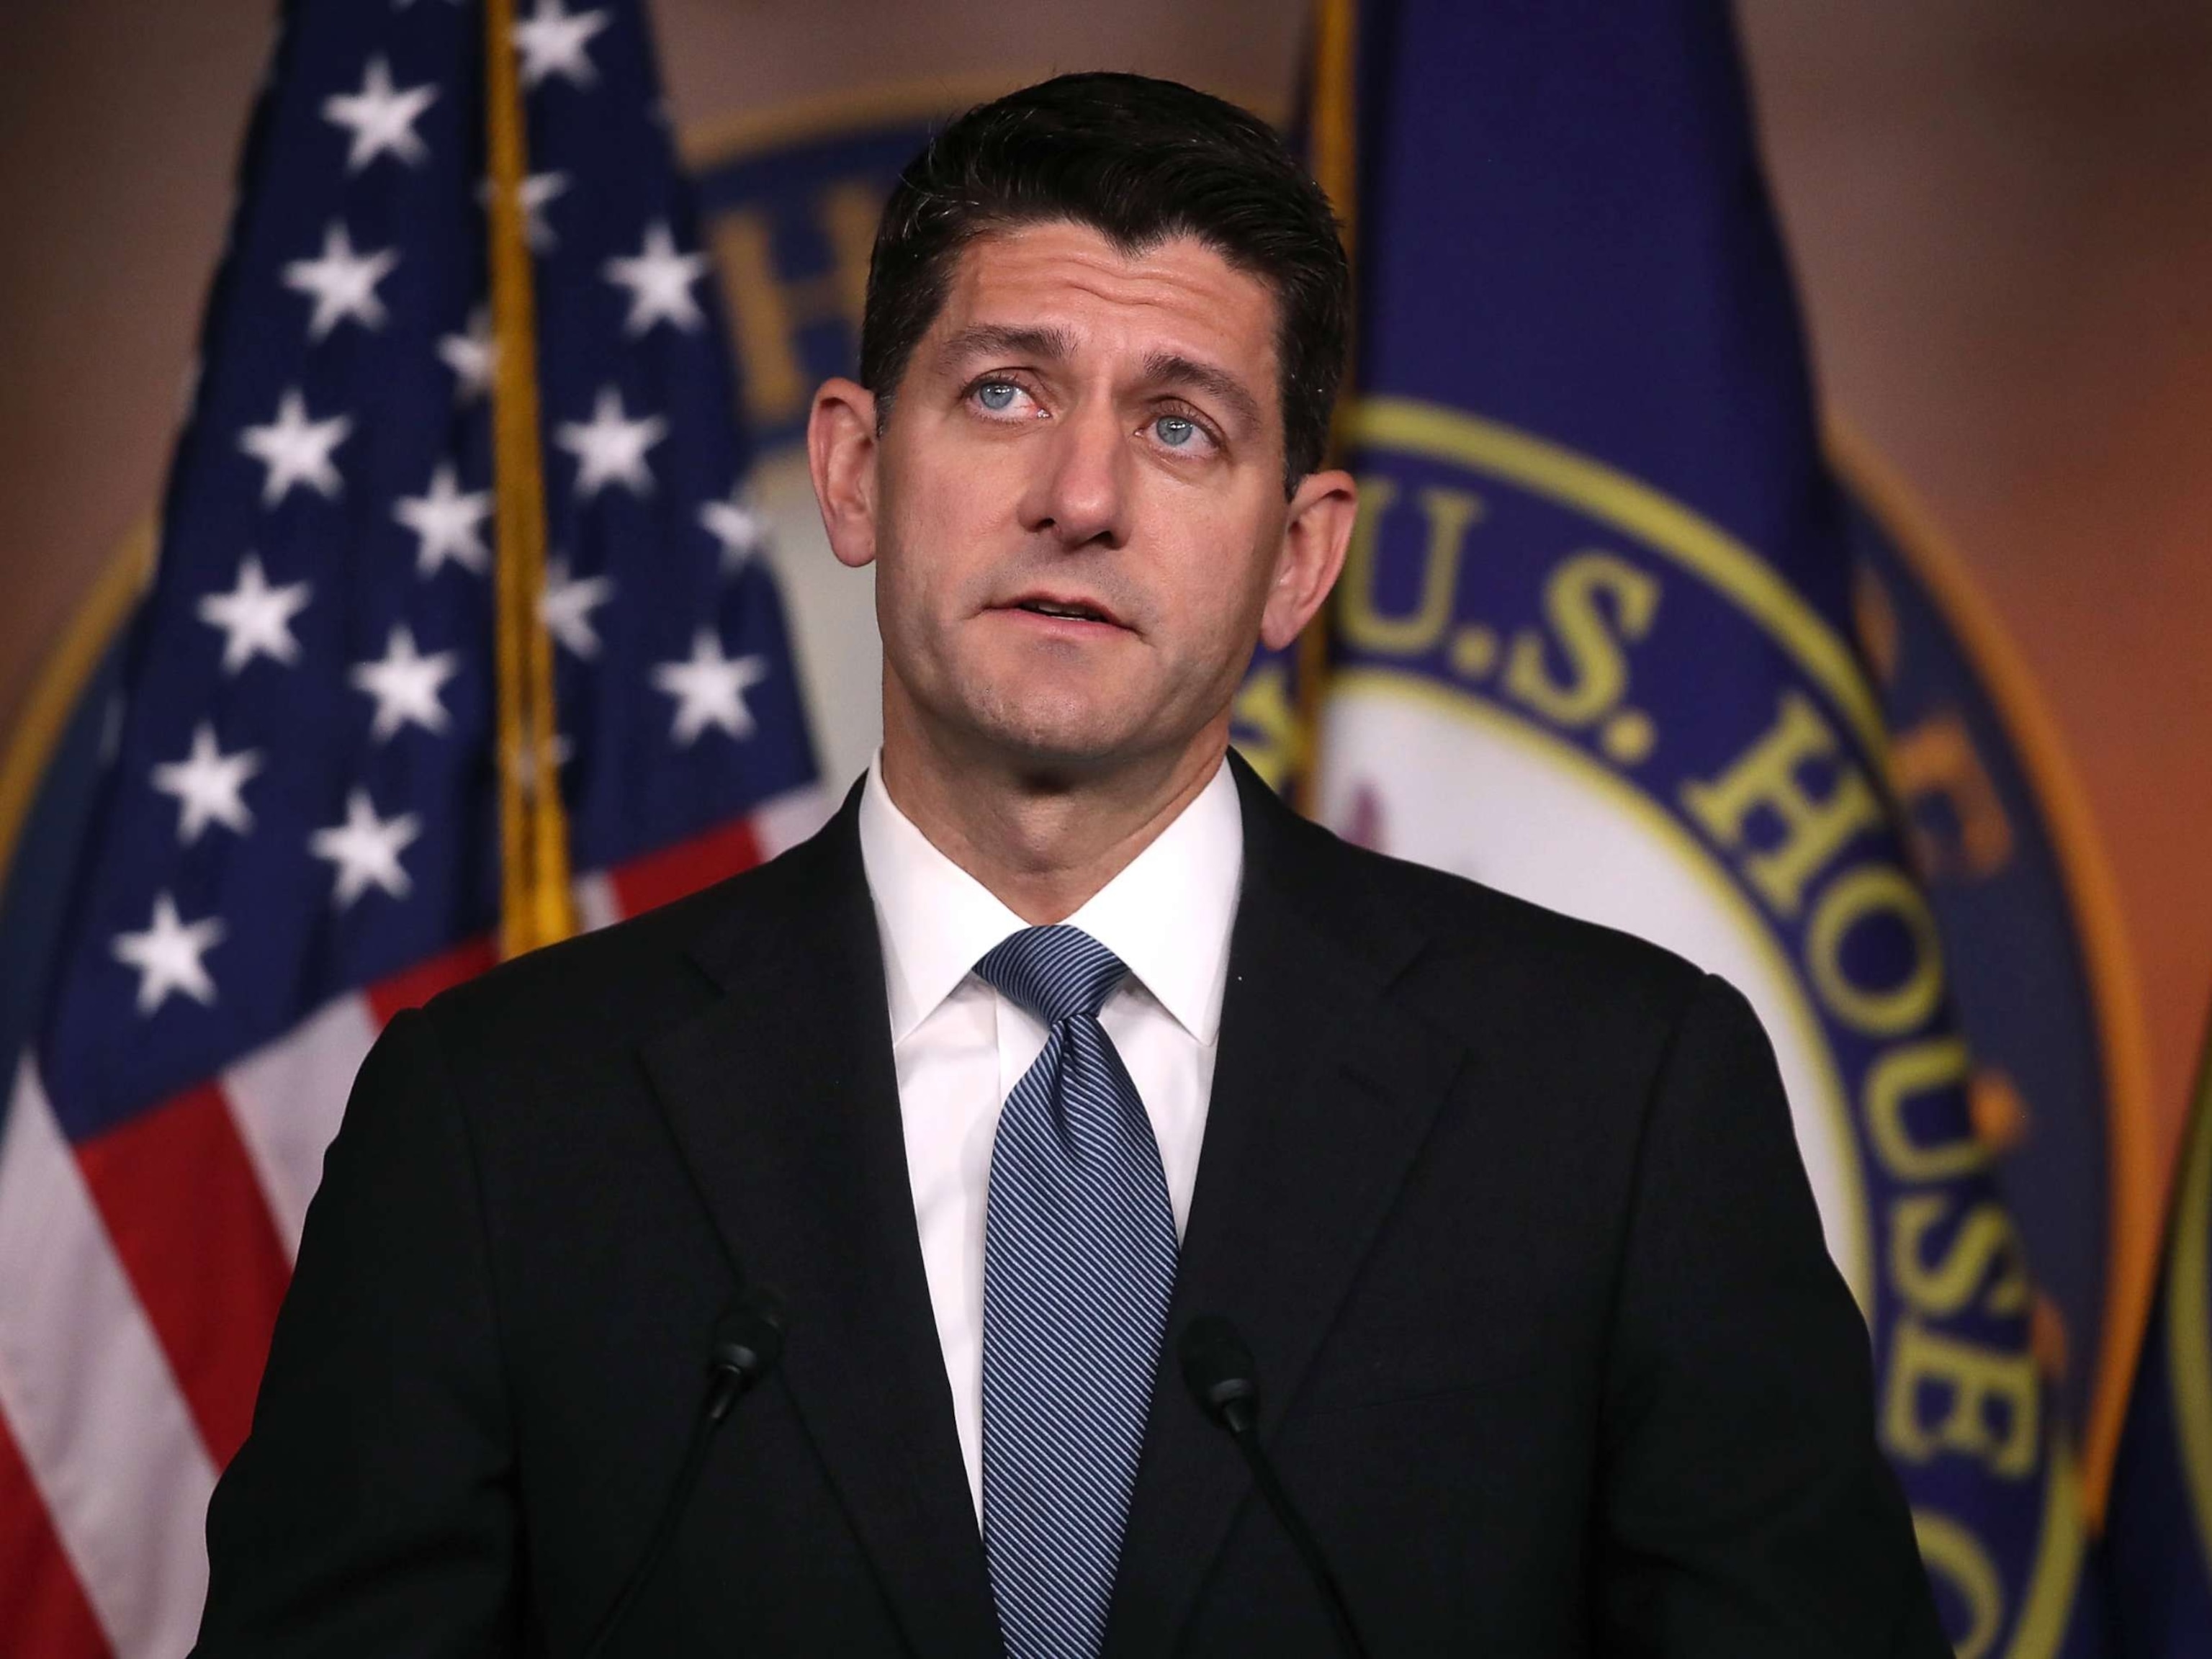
point(748, 1341)
point(1219, 1371)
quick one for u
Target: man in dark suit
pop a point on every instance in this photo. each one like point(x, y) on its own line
point(1062, 1034)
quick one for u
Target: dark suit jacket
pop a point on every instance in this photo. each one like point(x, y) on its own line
point(1507, 1206)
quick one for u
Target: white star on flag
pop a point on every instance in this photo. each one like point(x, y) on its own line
point(659, 281)
point(296, 450)
point(365, 850)
point(256, 619)
point(207, 784)
point(552, 42)
point(537, 189)
point(168, 955)
point(558, 750)
point(343, 282)
point(405, 685)
point(471, 357)
point(710, 690)
point(609, 448)
point(568, 604)
point(380, 117)
point(741, 531)
point(445, 523)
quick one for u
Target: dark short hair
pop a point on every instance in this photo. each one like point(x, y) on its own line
point(1139, 160)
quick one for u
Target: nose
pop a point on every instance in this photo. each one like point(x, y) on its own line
point(1080, 492)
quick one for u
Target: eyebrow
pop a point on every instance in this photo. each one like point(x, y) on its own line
point(995, 339)
point(1170, 368)
point(1048, 345)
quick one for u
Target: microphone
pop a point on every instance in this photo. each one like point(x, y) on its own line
point(1222, 1378)
point(748, 1342)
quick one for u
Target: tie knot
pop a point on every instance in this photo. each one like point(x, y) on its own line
point(1055, 972)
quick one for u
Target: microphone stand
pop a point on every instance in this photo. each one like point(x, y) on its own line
point(1225, 1380)
point(748, 1342)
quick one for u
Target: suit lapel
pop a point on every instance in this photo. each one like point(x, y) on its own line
point(783, 1100)
point(1323, 1091)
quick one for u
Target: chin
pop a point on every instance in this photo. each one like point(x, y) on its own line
point(1052, 713)
point(1054, 731)
point(1051, 745)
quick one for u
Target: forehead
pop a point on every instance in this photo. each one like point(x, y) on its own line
point(1178, 296)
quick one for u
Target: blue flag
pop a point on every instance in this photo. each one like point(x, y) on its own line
point(296, 831)
point(1593, 644)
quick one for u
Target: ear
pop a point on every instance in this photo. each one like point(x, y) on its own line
point(840, 453)
point(1314, 536)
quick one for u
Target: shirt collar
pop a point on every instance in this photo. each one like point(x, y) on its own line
point(1168, 914)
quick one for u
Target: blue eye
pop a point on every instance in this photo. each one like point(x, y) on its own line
point(997, 395)
point(1174, 431)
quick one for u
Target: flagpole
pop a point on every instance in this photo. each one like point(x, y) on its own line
point(535, 906)
point(2189, 1292)
point(1334, 140)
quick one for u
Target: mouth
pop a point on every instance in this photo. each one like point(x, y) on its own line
point(1064, 609)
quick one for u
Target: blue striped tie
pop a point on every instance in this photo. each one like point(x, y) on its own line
point(1079, 1260)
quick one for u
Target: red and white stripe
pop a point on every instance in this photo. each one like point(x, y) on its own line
point(144, 1270)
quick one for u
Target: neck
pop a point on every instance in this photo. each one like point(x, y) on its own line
point(1043, 842)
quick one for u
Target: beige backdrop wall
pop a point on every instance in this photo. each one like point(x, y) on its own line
point(2001, 216)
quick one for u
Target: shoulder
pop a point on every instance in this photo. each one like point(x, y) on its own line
point(1487, 965)
point(608, 990)
point(1378, 904)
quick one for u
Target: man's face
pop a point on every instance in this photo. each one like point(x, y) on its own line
point(1078, 514)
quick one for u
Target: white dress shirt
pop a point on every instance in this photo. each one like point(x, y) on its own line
point(960, 1047)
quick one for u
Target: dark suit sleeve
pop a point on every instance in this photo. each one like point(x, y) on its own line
point(371, 1510)
point(1747, 1508)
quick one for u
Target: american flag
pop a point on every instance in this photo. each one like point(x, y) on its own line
point(298, 832)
